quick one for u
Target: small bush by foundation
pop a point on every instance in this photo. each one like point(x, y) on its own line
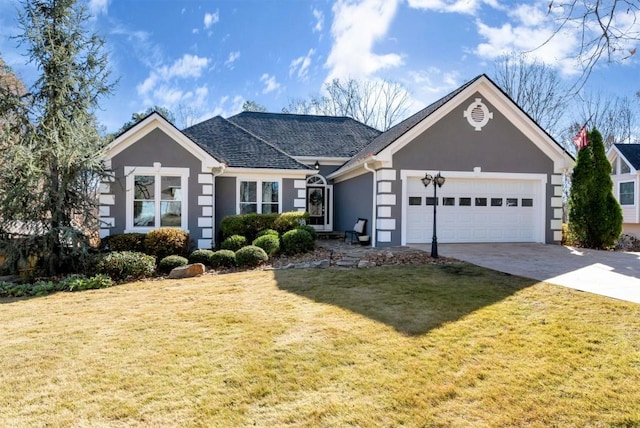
point(251, 256)
point(171, 262)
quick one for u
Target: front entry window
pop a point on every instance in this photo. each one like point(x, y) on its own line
point(259, 197)
point(156, 198)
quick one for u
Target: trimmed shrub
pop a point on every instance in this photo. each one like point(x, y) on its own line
point(125, 265)
point(251, 256)
point(290, 220)
point(234, 243)
point(268, 232)
point(171, 262)
point(123, 242)
point(200, 256)
point(269, 243)
point(296, 241)
point(81, 282)
point(166, 241)
point(247, 224)
point(222, 258)
point(309, 229)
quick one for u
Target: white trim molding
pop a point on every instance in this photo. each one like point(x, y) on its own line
point(157, 171)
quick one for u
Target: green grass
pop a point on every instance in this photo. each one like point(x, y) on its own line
point(451, 345)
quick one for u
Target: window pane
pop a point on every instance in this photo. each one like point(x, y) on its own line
point(464, 202)
point(170, 189)
point(624, 168)
point(431, 200)
point(481, 202)
point(415, 200)
point(512, 202)
point(269, 208)
point(449, 201)
point(627, 193)
point(270, 191)
point(527, 202)
point(248, 192)
point(171, 213)
point(144, 187)
point(496, 202)
point(248, 208)
point(144, 213)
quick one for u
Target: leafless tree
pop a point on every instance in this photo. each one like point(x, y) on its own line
point(615, 117)
point(535, 87)
point(377, 103)
point(608, 29)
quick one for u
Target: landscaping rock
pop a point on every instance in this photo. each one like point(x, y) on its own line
point(366, 264)
point(187, 271)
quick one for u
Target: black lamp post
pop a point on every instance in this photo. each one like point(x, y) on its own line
point(438, 181)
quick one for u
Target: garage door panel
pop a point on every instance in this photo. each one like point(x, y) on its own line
point(506, 221)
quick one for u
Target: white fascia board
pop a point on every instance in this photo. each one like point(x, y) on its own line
point(358, 168)
point(265, 172)
point(326, 160)
point(155, 121)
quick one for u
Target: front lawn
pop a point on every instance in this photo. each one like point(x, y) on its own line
point(435, 345)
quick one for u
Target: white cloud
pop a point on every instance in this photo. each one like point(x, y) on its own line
point(434, 81)
point(355, 28)
point(453, 6)
point(225, 106)
point(531, 31)
point(211, 18)
point(97, 7)
point(270, 83)
point(162, 86)
point(319, 15)
point(301, 65)
point(233, 57)
point(187, 66)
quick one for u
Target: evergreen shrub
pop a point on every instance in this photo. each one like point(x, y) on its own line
point(251, 256)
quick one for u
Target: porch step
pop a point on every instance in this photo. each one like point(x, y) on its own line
point(330, 235)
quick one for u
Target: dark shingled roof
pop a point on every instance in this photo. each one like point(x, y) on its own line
point(305, 135)
point(395, 132)
point(631, 152)
point(238, 148)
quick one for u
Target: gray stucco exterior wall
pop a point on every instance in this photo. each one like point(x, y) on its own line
point(154, 147)
point(288, 195)
point(225, 190)
point(353, 199)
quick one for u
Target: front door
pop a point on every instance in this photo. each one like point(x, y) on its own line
point(319, 203)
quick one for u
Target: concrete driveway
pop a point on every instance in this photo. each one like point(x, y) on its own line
point(608, 273)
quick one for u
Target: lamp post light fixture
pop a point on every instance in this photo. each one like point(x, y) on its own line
point(438, 181)
point(316, 165)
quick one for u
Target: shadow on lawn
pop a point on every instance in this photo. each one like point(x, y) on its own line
point(411, 299)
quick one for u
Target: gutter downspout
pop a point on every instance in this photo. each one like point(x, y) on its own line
point(213, 203)
point(373, 209)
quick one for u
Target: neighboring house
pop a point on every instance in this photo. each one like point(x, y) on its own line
point(625, 173)
point(503, 173)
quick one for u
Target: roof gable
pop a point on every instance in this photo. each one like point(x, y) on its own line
point(238, 148)
point(630, 153)
point(386, 144)
point(156, 121)
point(308, 135)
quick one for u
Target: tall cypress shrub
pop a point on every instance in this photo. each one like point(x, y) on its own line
point(595, 216)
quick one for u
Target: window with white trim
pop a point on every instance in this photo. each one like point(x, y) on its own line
point(627, 193)
point(156, 197)
point(258, 196)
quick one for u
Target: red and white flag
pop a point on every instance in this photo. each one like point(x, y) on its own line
point(581, 139)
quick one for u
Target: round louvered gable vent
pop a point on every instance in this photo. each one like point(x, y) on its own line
point(478, 114)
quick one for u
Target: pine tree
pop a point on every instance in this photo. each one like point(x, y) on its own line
point(51, 168)
point(595, 217)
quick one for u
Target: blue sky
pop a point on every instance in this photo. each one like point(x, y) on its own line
point(206, 58)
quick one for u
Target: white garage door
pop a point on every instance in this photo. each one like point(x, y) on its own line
point(475, 210)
